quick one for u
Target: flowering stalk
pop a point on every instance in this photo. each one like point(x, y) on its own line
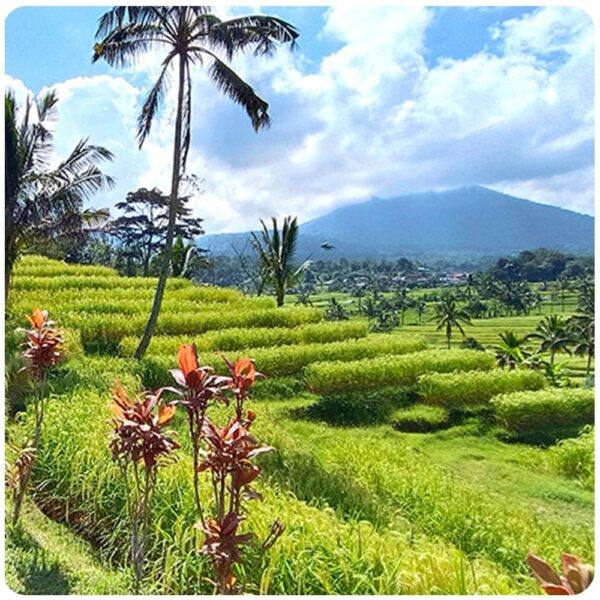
point(140, 446)
point(43, 350)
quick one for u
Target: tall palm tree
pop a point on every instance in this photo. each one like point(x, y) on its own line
point(276, 251)
point(449, 315)
point(581, 328)
point(188, 35)
point(552, 335)
point(420, 309)
point(42, 201)
point(564, 285)
point(510, 352)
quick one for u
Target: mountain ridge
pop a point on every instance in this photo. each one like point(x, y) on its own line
point(470, 220)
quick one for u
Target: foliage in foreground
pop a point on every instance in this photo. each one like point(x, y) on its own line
point(43, 350)
point(319, 553)
point(576, 578)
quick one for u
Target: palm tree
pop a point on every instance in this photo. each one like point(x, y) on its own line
point(189, 35)
point(42, 201)
point(276, 252)
point(581, 328)
point(510, 352)
point(552, 335)
point(564, 285)
point(420, 309)
point(450, 315)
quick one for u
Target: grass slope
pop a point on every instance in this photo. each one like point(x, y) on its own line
point(46, 558)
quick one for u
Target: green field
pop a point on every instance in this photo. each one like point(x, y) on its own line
point(368, 509)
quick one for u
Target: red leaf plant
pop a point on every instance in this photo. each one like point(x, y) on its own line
point(227, 454)
point(140, 444)
point(198, 386)
point(42, 350)
point(576, 577)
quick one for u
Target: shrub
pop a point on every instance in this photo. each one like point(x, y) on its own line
point(281, 387)
point(104, 333)
point(360, 408)
point(256, 337)
point(543, 417)
point(421, 418)
point(574, 457)
point(140, 446)
point(284, 361)
point(330, 377)
point(463, 390)
point(60, 282)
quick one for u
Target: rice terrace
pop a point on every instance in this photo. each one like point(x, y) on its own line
point(298, 370)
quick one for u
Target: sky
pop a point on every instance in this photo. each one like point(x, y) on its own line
point(374, 101)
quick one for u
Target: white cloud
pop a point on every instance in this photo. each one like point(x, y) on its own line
point(373, 120)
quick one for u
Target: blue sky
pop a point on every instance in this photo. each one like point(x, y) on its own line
point(46, 45)
point(435, 98)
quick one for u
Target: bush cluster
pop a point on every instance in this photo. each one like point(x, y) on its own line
point(289, 360)
point(238, 338)
point(104, 333)
point(574, 457)
point(331, 377)
point(459, 391)
point(421, 418)
point(546, 416)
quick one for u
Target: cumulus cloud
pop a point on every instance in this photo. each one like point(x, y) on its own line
point(373, 119)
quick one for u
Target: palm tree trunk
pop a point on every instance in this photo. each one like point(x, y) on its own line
point(589, 365)
point(168, 249)
point(7, 274)
point(280, 295)
point(448, 334)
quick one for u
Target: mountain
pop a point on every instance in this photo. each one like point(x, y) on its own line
point(470, 221)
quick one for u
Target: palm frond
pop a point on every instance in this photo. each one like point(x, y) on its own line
point(186, 117)
point(259, 32)
point(46, 105)
point(119, 16)
point(153, 101)
point(124, 45)
point(233, 86)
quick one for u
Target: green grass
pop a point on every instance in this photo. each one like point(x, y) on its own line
point(46, 558)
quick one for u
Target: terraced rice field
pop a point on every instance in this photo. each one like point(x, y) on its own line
point(368, 509)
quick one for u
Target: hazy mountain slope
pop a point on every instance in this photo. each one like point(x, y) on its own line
point(473, 220)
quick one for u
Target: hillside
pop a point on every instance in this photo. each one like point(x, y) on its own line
point(471, 221)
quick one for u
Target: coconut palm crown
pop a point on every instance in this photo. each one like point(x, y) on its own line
point(42, 199)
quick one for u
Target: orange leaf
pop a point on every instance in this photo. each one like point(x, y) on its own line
point(243, 365)
point(120, 397)
point(165, 413)
point(37, 318)
point(188, 358)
